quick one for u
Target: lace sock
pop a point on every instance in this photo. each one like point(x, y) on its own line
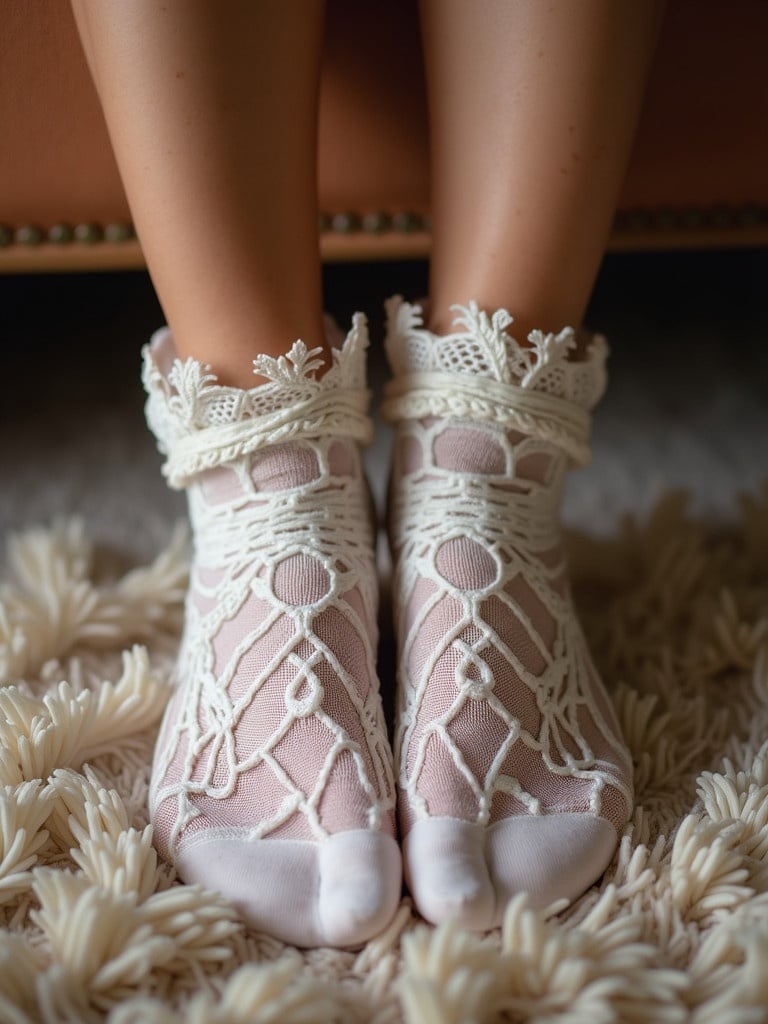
point(272, 778)
point(512, 772)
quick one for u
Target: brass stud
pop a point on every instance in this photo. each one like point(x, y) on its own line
point(406, 221)
point(376, 223)
point(721, 217)
point(664, 219)
point(29, 234)
point(637, 220)
point(749, 216)
point(693, 218)
point(345, 223)
point(89, 233)
point(61, 234)
point(119, 231)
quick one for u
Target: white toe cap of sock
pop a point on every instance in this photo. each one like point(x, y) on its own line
point(361, 881)
point(458, 869)
point(549, 856)
point(446, 872)
point(339, 892)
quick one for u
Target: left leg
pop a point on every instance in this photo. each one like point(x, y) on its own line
point(271, 779)
point(513, 774)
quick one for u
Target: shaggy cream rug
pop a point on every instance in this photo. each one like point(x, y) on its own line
point(95, 929)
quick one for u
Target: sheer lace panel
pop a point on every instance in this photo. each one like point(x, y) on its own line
point(276, 729)
point(280, 654)
point(501, 712)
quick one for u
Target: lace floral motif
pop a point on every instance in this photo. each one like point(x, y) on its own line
point(501, 711)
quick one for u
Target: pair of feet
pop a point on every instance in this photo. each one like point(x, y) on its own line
point(274, 780)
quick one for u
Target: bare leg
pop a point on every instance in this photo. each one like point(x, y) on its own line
point(212, 111)
point(533, 108)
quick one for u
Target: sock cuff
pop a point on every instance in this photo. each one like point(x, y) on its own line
point(480, 372)
point(200, 424)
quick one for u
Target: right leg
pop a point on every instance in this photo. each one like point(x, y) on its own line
point(212, 112)
point(272, 779)
point(513, 772)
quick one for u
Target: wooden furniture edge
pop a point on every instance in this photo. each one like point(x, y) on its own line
point(350, 238)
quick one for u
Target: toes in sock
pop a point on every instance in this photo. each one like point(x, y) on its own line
point(512, 772)
point(339, 891)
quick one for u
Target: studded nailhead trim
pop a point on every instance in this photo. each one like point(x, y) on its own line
point(722, 217)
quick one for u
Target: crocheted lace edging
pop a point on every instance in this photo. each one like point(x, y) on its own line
point(480, 372)
point(199, 423)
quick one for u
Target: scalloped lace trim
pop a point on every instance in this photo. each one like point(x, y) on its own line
point(482, 347)
point(200, 424)
point(482, 373)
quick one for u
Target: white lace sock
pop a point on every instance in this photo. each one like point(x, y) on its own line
point(272, 780)
point(512, 771)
